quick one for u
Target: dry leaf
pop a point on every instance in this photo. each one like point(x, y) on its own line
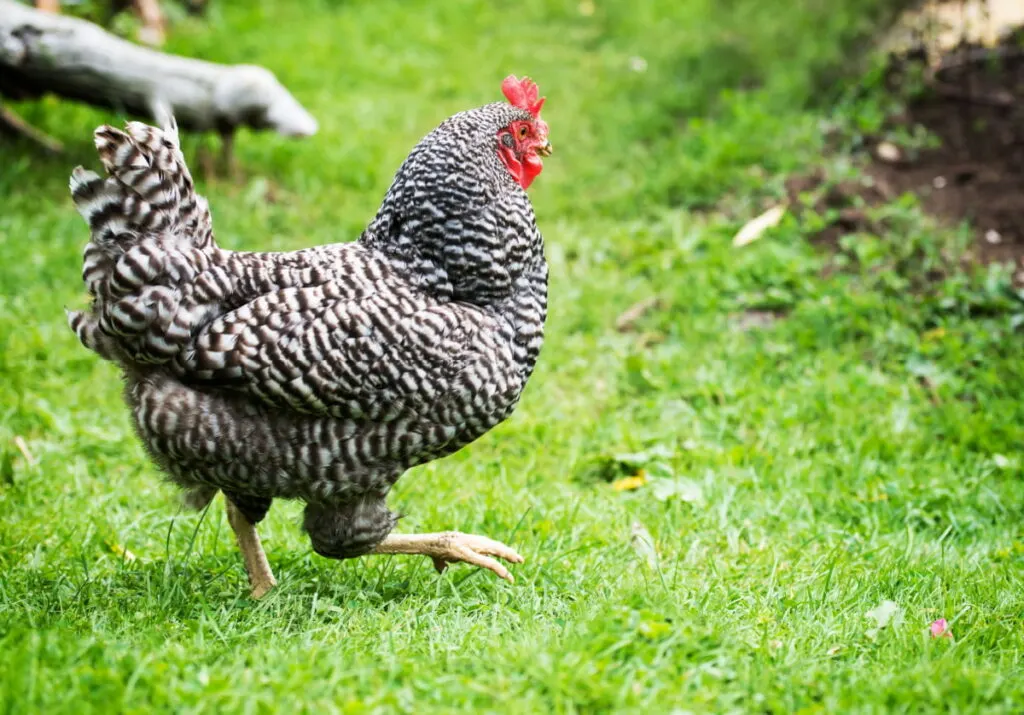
point(753, 319)
point(628, 484)
point(642, 459)
point(22, 446)
point(888, 152)
point(118, 550)
point(686, 490)
point(755, 228)
point(1001, 461)
point(885, 614)
point(638, 64)
point(643, 544)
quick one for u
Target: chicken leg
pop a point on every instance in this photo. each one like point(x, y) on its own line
point(225, 165)
point(261, 579)
point(450, 546)
point(154, 25)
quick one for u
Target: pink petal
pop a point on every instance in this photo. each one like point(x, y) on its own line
point(940, 629)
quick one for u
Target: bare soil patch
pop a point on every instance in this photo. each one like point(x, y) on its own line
point(973, 102)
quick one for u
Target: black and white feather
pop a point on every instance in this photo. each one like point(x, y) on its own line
point(321, 374)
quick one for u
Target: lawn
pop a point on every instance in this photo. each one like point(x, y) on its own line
point(828, 444)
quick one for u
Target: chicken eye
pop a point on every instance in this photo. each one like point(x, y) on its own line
point(508, 141)
point(522, 131)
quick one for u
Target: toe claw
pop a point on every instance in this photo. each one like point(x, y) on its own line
point(261, 588)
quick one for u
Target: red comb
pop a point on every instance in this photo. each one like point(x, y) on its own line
point(522, 93)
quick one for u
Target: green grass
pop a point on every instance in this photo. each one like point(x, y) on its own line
point(863, 448)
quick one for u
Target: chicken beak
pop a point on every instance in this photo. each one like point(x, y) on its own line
point(545, 149)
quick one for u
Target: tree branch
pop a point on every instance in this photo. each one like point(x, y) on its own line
point(41, 52)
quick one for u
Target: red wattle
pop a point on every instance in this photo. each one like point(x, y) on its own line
point(525, 171)
point(532, 166)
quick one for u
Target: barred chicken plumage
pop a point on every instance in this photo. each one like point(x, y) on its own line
point(323, 374)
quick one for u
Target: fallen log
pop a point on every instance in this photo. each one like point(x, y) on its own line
point(41, 52)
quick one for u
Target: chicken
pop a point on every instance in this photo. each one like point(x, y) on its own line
point(323, 374)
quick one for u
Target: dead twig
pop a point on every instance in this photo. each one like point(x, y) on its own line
point(976, 55)
point(22, 446)
point(965, 58)
point(11, 123)
point(1002, 98)
point(627, 321)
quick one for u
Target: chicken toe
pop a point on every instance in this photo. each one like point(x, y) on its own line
point(449, 547)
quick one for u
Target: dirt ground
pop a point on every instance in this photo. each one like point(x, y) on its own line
point(974, 104)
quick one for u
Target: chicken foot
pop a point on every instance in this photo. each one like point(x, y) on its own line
point(451, 546)
point(261, 579)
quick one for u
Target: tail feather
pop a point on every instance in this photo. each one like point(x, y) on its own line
point(151, 235)
point(149, 190)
